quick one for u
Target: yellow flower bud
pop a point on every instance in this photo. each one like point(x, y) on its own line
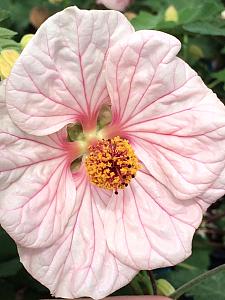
point(25, 40)
point(196, 51)
point(10, 56)
point(7, 59)
point(171, 14)
point(164, 287)
point(223, 14)
point(4, 68)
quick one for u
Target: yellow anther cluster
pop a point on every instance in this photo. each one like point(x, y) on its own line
point(112, 163)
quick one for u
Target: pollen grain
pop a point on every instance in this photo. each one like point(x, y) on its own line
point(111, 164)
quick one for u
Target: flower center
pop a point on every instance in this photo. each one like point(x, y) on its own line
point(112, 163)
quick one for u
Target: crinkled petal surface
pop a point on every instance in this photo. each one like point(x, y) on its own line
point(216, 190)
point(175, 123)
point(147, 227)
point(37, 192)
point(59, 77)
point(80, 263)
point(58, 229)
point(115, 4)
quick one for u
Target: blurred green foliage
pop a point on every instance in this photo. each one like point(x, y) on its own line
point(201, 29)
point(15, 282)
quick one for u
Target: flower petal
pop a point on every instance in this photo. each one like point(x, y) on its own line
point(59, 77)
point(37, 193)
point(216, 191)
point(115, 4)
point(80, 263)
point(135, 73)
point(164, 109)
point(147, 228)
point(2, 96)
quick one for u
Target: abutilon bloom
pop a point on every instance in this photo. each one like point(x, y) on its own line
point(91, 201)
point(120, 5)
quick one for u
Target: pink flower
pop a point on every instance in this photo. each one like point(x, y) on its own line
point(115, 4)
point(167, 131)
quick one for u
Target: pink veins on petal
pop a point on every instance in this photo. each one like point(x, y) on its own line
point(76, 238)
point(55, 217)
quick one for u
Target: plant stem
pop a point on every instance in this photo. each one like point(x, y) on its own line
point(153, 282)
point(189, 285)
point(136, 287)
point(147, 284)
point(185, 47)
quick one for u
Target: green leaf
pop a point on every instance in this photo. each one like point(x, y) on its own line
point(6, 33)
point(196, 264)
point(180, 4)
point(140, 285)
point(209, 50)
point(10, 268)
point(154, 4)
point(211, 288)
point(191, 287)
point(3, 14)
point(19, 13)
point(199, 12)
point(205, 28)
point(219, 75)
point(9, 44)
point(146, 21)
